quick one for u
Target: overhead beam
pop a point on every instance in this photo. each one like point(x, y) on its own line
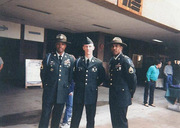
point(115, 8)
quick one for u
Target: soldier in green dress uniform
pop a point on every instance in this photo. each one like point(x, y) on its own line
point(89, 73)
point(122, 84)
point(56, 75)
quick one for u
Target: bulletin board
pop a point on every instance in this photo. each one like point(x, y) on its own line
point(32, 72)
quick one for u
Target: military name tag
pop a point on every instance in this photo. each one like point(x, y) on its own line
point(94, 69)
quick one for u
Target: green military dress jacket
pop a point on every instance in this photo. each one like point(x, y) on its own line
point(87, 80)
point(122, 80)
point(56, 77)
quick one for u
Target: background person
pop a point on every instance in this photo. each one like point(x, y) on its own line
point(176, 72)
point(1, 64)
point(1, 67)
point(168, 71)
point(152, 76)
point(68, 110)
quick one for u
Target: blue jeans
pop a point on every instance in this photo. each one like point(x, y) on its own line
point(168, 81)
point(68, 111)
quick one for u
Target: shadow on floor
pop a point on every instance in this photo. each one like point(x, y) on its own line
point(102, 103)
point(31, 117)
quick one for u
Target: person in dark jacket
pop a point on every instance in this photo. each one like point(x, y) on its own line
point(176, 69)
point(56, 75)
point(89, 73)
point(122, 84)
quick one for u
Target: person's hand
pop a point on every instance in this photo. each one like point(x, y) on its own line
point(71, 93)
point(101, 85)
point(1, 66)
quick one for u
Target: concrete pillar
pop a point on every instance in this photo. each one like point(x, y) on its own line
point(21, 71)
point(21, 52)
point(45, 43)
point(100, 48)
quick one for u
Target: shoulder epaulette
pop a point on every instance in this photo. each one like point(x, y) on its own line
point(128, 60)
point(97, 59)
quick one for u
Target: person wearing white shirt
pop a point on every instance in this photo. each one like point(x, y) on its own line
point(168, 71)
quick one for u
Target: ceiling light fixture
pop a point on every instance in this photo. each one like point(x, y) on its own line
point(156, 40)
point(32, 9)
point(12, 17)
point(100, 26)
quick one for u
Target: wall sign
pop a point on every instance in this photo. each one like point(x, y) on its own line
point(10, 30)
point(33, 72)
point(34, 33)
point(134, 6)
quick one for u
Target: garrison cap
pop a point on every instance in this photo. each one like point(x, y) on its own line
point(62, 38)
point(87, 40)
point(118, 40)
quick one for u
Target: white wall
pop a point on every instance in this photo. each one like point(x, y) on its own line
point(113, 1)
point(166, 12)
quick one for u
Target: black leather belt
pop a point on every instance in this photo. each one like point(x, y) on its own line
point(152, 81)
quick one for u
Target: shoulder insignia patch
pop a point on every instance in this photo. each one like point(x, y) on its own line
point(131, 70)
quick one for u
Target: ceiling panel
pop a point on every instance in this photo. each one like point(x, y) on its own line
point(79, 16)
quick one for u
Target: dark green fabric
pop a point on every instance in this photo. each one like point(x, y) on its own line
point(172, 94)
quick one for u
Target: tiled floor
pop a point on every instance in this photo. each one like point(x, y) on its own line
point(21, 108)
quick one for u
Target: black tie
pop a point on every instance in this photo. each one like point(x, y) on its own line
point(60, 60)
point(87, 62)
